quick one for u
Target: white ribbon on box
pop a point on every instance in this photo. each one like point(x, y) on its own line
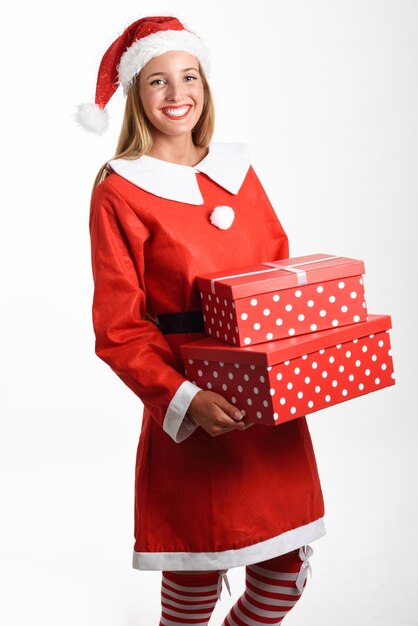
point(301, 274)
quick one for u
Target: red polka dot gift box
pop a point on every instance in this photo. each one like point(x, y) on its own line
point(284, 379)
point(281, 299)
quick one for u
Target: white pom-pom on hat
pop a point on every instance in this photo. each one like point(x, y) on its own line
point(91, 117)
point(222, 217)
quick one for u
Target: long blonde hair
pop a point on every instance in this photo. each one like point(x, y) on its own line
point(135, 138)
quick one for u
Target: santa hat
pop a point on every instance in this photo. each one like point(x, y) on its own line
point(123, 60)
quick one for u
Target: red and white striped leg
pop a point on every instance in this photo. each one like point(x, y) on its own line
point(188, 599)
point(272, 588)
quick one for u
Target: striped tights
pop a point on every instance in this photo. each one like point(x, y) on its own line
point(272, 588)
point(188, 598)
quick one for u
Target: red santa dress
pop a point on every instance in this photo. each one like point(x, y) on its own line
point(201, 502)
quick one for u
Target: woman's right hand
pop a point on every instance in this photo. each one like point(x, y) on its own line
point(215, 414)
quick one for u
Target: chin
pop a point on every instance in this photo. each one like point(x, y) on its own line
point(178, 128)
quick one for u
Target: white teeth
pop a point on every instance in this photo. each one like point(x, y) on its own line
point(176, 112)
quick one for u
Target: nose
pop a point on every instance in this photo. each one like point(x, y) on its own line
point(175, 92)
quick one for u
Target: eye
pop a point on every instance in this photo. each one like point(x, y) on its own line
point(156, 81)
point(191, 76)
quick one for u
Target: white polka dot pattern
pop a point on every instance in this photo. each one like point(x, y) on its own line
point(307, 383)
point(285, 313)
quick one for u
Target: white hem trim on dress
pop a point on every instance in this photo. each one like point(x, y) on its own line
point(255, 553)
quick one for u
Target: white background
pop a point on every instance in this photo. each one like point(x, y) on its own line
point(326, 95)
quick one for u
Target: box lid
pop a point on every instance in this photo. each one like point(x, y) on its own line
point(273, 352)
point(270, 276)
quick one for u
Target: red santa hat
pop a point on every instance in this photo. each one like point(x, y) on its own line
point(123, 60)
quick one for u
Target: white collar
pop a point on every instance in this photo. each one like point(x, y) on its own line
point(226, 163)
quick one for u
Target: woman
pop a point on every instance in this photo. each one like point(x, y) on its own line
point(208, 494)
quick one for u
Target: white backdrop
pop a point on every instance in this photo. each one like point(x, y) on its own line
point(326, 95)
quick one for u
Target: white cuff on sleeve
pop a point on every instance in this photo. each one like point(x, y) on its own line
point(176, 423)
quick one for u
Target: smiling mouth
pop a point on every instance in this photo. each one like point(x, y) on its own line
point(177, 113)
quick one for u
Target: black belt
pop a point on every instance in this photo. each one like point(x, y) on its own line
point(185, 322)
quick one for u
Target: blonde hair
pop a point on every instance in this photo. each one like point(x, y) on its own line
point(135, 138)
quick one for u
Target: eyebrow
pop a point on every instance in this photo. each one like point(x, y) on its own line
point(186, 69)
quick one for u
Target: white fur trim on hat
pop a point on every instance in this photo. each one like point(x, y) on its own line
point(144, 49)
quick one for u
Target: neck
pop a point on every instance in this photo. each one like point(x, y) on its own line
point(179, 149)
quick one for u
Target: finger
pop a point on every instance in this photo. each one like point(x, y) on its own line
point(241, 425)
point(229, 409)
point(221, 430)
point(225, 421)
point(236, 426)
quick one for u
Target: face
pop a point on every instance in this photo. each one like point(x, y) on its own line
point(172, 94)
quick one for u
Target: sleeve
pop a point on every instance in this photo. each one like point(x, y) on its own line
point(130, 344)
point(278, 240)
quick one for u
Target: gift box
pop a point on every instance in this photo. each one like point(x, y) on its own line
point(283, 298)
point(284, 379)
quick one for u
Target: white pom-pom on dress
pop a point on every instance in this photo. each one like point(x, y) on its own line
point(222, 217)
